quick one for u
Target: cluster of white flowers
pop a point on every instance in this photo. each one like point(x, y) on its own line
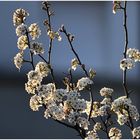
point(123, 108)
point(136, 132)
point(60, 104)
point(55, 112)
point(126, 63)
point(83, 122)
point(37, 48)
point(72, 116)
point(106, 92)
point(59, 94)
point(18, 60)
point(21, 30)
point(35, 77)
point(92, 135)
point(42, 68)
point(35, 102)
point(22, 42)
point(54, 35)
point(115, 133)
point(46, 92)
point(129, 63)
point(34, 31)
point(122, 119)
point(19, 16)
point(83, 83)
point(133, 54)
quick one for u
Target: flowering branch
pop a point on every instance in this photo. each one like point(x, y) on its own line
point(66, 106)
point(70, 38)
point(125, 48)
point(46, 7)
point(125, 56)
point(31, 53)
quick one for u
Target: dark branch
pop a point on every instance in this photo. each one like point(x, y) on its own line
point(31, 53)
point(131, 125)
point(82, 66)
point(125, 48)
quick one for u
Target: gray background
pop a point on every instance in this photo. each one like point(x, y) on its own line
point(98, 40)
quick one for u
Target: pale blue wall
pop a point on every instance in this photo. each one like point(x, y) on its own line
point(98, 40)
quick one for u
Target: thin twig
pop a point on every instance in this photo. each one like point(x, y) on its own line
point(47, 7)
point(71, 78)
point(131, 125)
point(83, 68)
point(31, 53)
point(125, 48)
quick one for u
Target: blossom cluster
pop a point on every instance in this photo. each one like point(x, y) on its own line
point(23, 32)
point(60, 104)
point(124, 109)
point(133, 56)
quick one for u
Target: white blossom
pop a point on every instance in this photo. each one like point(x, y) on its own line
point(92, 135)
point(106, 91)
point(83, 82)
point(79, 104)
point(54, 35)
point(72, 96)
point(115, 133)
point(72, 117)
point(35, 102)
point(37, 48)
point(55, 112)
point(31, 86)
point(126, 63)
point(18, 60)
point(133, 54)
point(19, 16)
point(59, 94)
point(136, 132)
point(42, 68)
point(22, 42)
point(46, 91)
point(21, 30)
point(33, 75)
point(119, 102)
point(133, 111)
point(83, 122)
point(34, 31)
point(122, 119)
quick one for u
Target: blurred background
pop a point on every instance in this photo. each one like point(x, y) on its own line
point(99, 41)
